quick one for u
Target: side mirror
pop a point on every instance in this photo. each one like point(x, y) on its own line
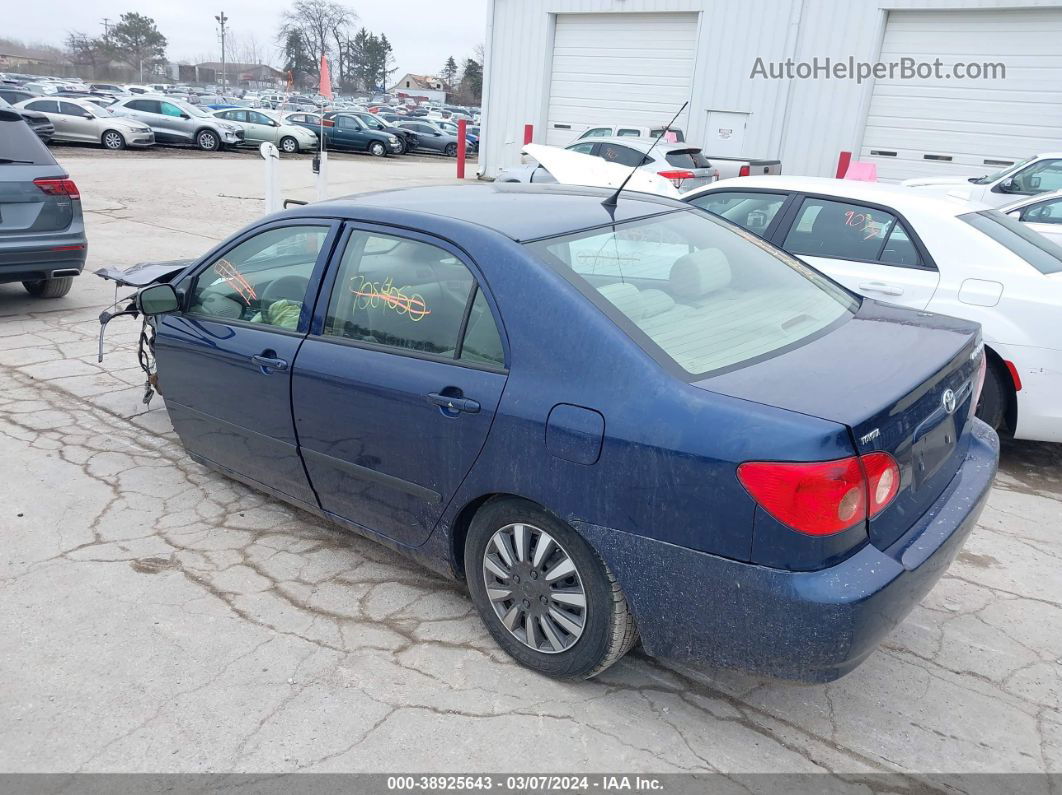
point(157, 299)
point(1006, 185)
point(1034, 183)
point(185, 116)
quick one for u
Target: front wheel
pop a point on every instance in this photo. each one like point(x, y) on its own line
point(544, 594)
point(289, 145)
point(208, 141)
point(49, 288)
point(403, 146)
point(450, 150)
point(377, 149)
point(112, 139)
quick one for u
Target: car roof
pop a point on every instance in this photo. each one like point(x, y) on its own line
point(519, 211)
point(636, 142)
point(903, 198)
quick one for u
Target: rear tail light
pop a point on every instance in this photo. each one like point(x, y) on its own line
point(744, 171)
point(58, 187)
point(676, 176)
point(822, 498)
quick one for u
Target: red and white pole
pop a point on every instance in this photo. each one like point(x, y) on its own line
point(462, 125)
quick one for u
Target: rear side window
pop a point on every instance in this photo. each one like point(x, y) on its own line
point(670, 136)
point(43, 106)
point(624, 155)
point(409, 295)
point(1031, 246)
point(697, 292)
point(687, 158)
point(19, 145)
point(840, 230)
point(749, 209)
point(628, 132)
point(597, 132)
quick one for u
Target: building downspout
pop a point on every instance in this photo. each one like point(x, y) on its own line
point(796, 28)
point(484, 100)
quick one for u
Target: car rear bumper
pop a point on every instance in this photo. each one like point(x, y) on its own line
point(811, 626)
point(43, 257)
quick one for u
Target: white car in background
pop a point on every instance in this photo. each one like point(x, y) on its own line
point(681, 164)
point(925, 252)
point(1041, 213)
point(1039, 174)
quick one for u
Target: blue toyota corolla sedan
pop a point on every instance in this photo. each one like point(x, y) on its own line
point(614, 422)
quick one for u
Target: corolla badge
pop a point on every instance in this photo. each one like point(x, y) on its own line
point(947, 400)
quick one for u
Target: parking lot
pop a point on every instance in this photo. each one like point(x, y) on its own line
point(159, 617)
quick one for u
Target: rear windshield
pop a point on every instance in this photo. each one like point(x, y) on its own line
point(687, 158)
point(1031, 246)
point(19, 145)
point(697, 292)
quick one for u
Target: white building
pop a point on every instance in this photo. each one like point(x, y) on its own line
point(411, 85)
point(567, 65)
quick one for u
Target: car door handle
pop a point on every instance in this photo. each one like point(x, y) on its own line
point(268, 363)
point(881, 287)
point(451, 403)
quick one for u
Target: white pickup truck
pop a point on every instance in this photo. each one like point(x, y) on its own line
point(744, 167)
point(1038, 174)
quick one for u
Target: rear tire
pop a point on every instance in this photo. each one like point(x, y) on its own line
point(992, 407)
point(112, 139)
point(377, 149)
point(208, 141)
point(289, 145)
point(49, 288)
point(577, 646)
point(450, 150)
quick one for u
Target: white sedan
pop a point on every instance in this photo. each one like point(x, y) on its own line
point(1041, 213)
point(942, 255)
point(1038, 174)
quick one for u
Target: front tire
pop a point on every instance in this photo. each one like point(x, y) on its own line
point(112, 139)
point(208, 141)
point(377, 149)
point(992, 407)
point(544, 594)
point(49, 288)
point(289, 145)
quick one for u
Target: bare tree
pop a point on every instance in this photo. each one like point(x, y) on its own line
point(318, 24)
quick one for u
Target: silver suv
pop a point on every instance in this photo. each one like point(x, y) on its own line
point(178, 122)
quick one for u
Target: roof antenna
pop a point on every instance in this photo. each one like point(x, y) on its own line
point(610, 202)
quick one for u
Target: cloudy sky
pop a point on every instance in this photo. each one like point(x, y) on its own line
point(422, 32)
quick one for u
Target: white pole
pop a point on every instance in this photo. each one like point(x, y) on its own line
point(322, 177)
point(272, 181)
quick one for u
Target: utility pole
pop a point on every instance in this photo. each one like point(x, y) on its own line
point(222, 19)
point(106, 22)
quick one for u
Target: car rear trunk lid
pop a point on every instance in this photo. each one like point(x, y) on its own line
point(901, 381)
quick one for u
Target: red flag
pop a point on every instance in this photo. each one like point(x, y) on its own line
point(326, 79)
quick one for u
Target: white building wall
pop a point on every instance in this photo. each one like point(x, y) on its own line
point(805, 123)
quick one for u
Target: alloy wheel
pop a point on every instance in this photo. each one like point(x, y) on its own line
point(534, 588)
point(113, 140)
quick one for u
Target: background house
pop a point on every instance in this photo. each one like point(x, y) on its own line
point(420, 86)
point(567, 65)
point(241, 75)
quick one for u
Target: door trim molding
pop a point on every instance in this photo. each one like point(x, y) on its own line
point(365, 473)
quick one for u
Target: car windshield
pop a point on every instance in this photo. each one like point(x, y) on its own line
point(95, 110)
point(995, 175)
point(1031, 246)
point(696, 292)
point(192, 110)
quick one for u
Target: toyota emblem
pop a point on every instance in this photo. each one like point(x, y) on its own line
point(947, 400)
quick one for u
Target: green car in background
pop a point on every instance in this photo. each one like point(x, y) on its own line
point(259, 127)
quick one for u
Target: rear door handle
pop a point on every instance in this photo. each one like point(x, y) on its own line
point(450, 403)
point(881, 287)
point(269, 363)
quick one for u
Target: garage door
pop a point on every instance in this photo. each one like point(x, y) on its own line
point(633, 69)
point(958, 127)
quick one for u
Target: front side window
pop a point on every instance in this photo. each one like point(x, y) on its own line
point(409, 295)
point(704, 295)
point(1049, 212)
point(597, 132)
point(1038, 178)
point(749, 209)
point(170, 109)
point(262, 280)
point(628, 132)
point(1031, 246)
point(840, 230)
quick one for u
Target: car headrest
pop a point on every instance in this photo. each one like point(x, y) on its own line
point(699, 273)
point(655, 302)
point(625, 297)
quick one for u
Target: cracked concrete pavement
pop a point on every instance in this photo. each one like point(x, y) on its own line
point(155, 616)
